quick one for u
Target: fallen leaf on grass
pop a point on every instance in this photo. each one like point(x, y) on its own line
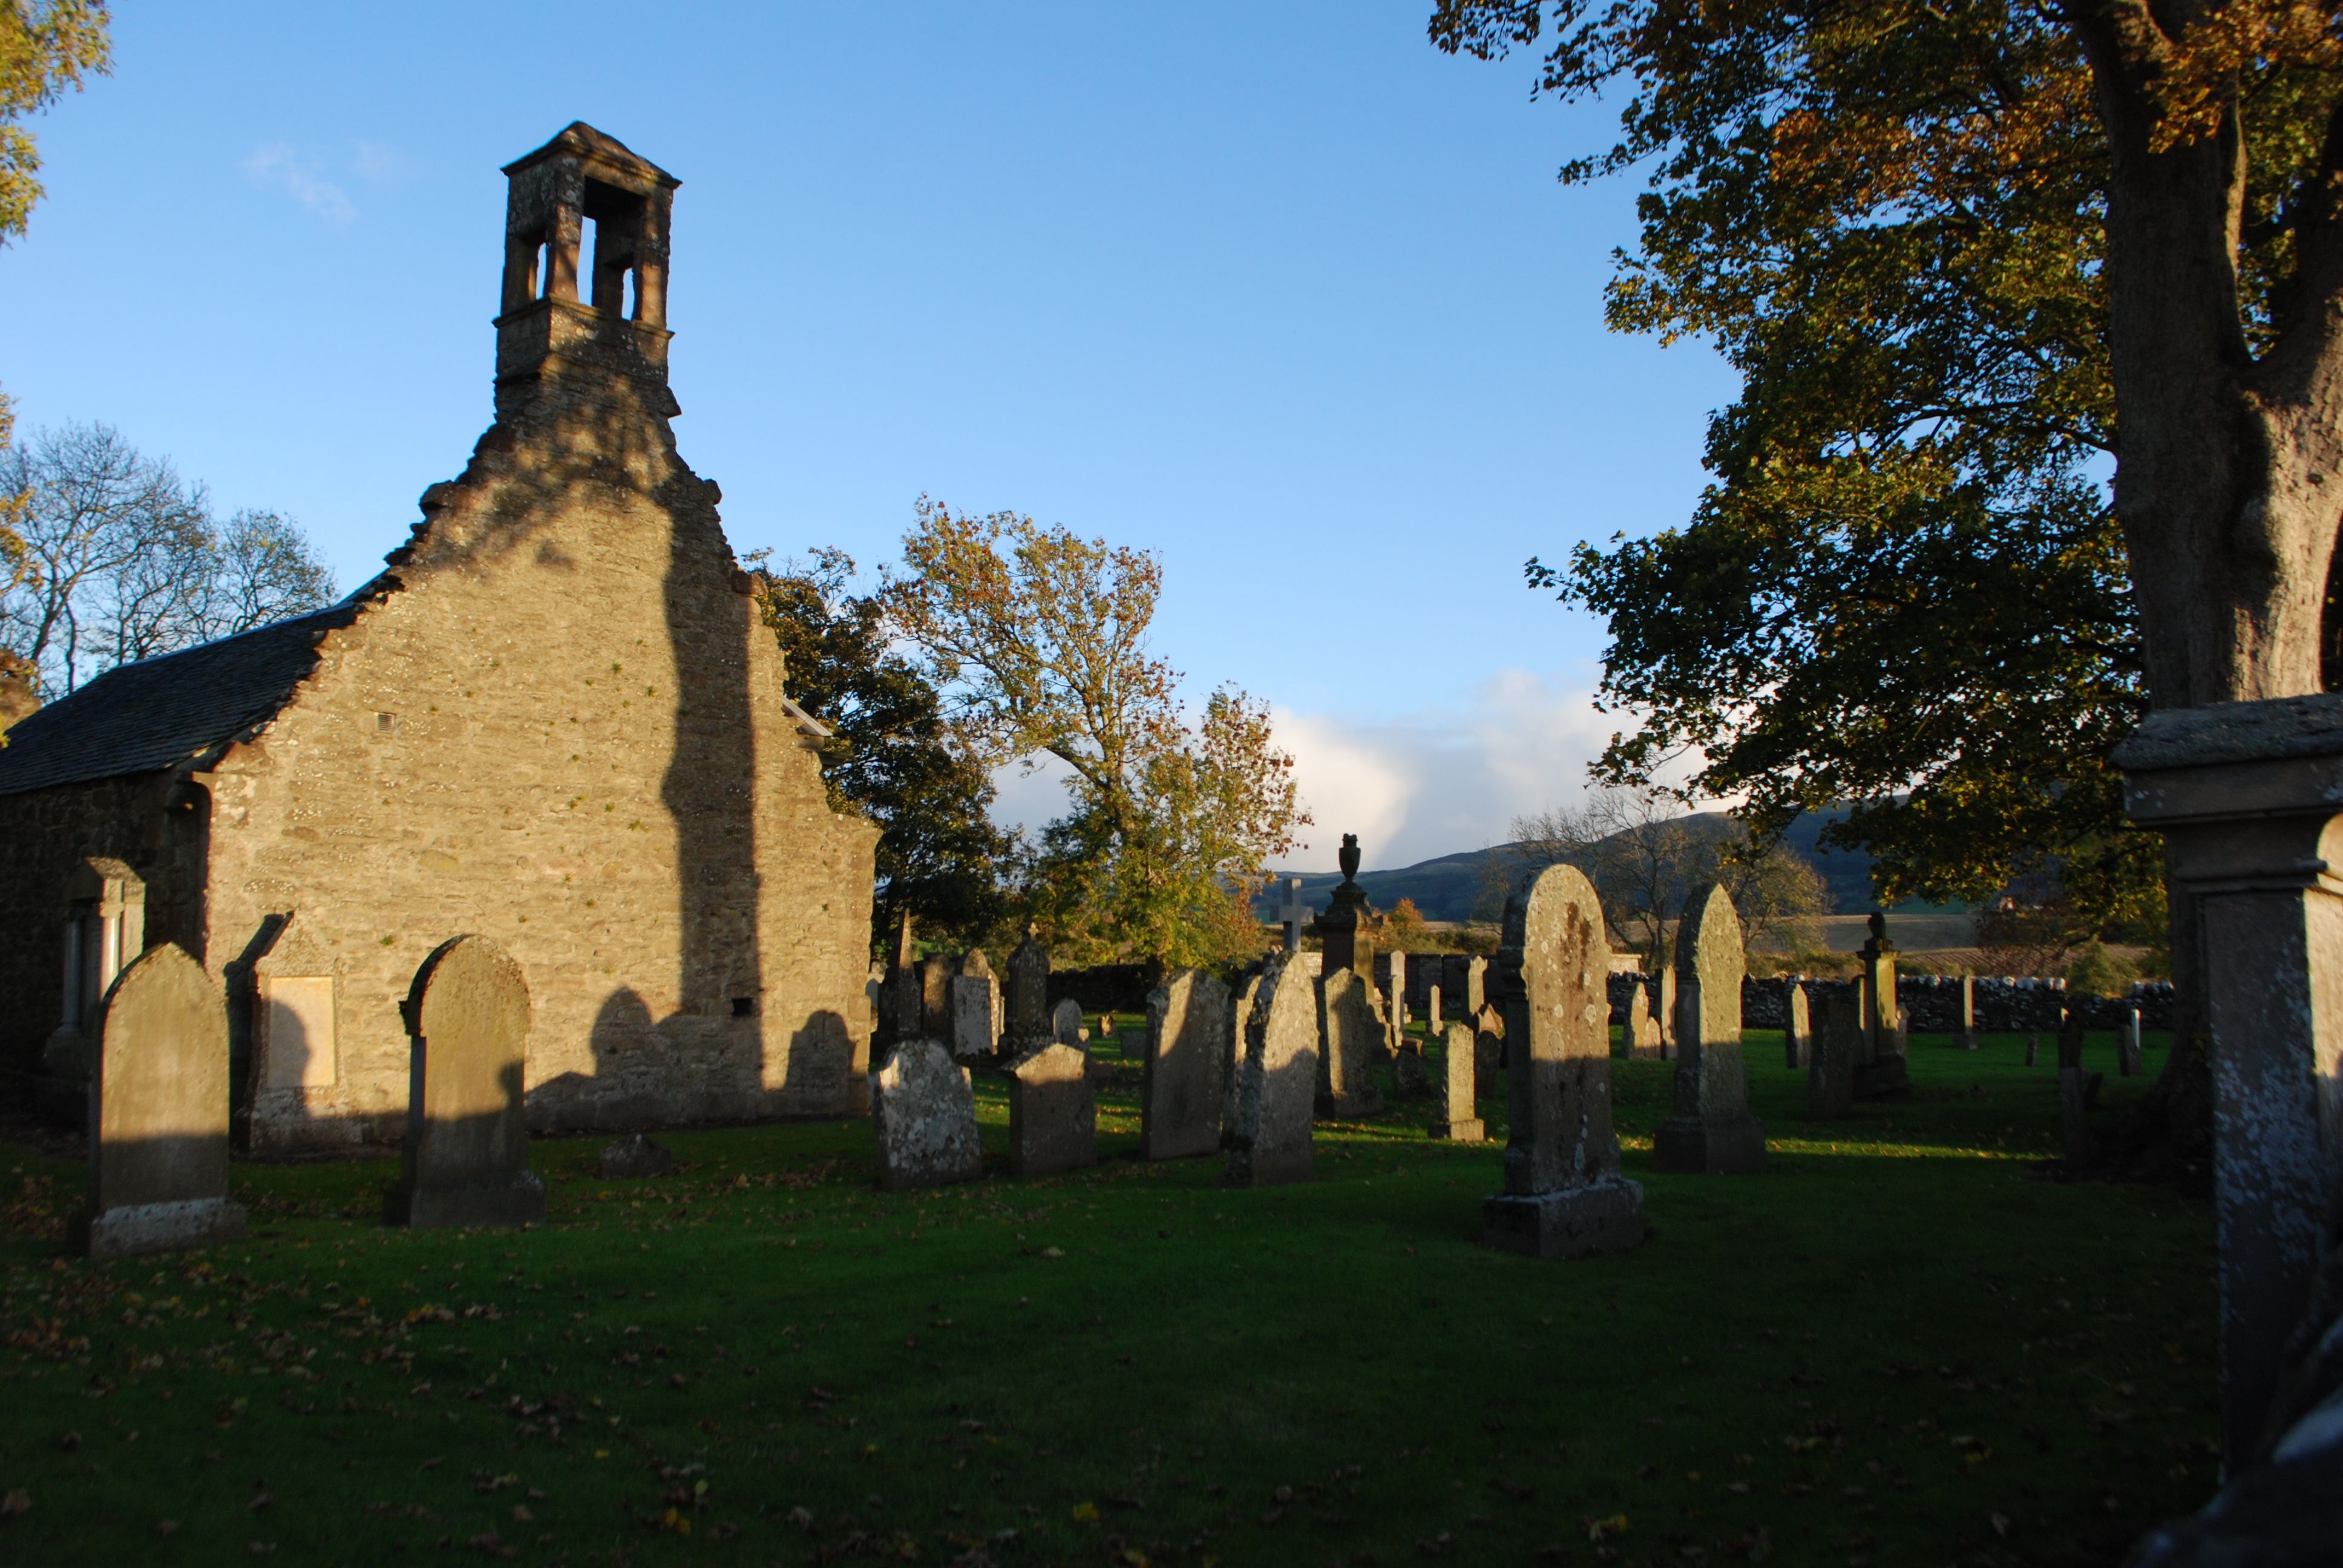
point(1596, 1529)
point(1086, 1513)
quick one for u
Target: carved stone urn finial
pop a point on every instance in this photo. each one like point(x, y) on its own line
point(1349, 858)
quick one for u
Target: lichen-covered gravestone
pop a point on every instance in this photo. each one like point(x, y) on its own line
point(1830, 1074)
point(1026, 998)
point(158, 1113)
point(1353, 1032)
point(1463, 1120)
point(1709, 1129)
point(1268, 1140)
point(1052, 1113)
point(465, 1161)
point(925, 1118)
point(1180, 1087)
point(1797, 1027)
point(976, 1015)
point(1564, 1195)
point(1066, 1026)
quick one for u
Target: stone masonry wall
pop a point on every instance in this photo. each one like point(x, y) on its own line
point(559, 725)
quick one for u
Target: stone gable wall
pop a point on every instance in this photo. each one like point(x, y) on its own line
point(560, 726)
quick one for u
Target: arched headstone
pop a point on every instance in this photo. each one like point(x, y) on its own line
point(1052, 1113)
point(1564, 1195)
point(1348, 1011)
point(1268, 1140)
point(1709, 1129)
point(158, 1112)
point(465, 1161)
point(925, 1116)
point(1180, 1087)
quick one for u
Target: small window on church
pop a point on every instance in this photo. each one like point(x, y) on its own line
point(744, 1007)
point(383, 721)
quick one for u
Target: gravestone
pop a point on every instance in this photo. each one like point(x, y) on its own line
point(2073, 1094)
point(974, 962)
point(976, 1015)
point(465, 1161)
point(1268, 1140)
point(1875, 988)
point(1663, 1010)
point(1488, 1050)
point(158, 1111)
point(1293, 914)
point(1968, 1010)
point(1564, 1195)
point(1642, 1031)
point(1394, 1002)
point(2128, 1045)
point(1830, 1072)
point(1411, 1080)
point(2032, 1049)
point(1180, 1088)
point(1052, 1114)
point(1026, 999)
point(1797, 1027)
point(1476, 970)
point(1351, 1031)
point(1233, 1048)
point(903, 1019)
point(1433, 1024)
point(935, 1003)
point(1066, 1026)
point(1463, 1116)
point(630, 1159)
point(1709, 1129)
point(924, 1115)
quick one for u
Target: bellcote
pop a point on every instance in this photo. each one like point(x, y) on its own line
point(572, 299)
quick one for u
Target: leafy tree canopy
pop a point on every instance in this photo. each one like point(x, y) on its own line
point(45, 48)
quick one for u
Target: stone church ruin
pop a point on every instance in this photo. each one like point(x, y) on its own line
point(555, 721)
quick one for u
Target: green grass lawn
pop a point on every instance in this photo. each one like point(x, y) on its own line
point(1900, 1344)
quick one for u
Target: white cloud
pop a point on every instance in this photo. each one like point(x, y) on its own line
point(380, 162)
point(277, 163)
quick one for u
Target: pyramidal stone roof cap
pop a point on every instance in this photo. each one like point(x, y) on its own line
point(161, 712)
point(584, 140)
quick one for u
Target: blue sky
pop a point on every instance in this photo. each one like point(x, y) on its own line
point(1278, 291)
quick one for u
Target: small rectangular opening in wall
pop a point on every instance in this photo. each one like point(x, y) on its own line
point(744, 1007)
point(383, 721)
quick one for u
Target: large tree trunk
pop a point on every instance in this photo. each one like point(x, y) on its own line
point(2229, 479)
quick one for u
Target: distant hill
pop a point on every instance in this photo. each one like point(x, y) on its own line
point(1461, 888)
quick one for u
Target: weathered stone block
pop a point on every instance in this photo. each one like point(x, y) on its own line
point(1052, 1113)
point(925, 1116)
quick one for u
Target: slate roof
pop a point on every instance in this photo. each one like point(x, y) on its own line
point(139, 718)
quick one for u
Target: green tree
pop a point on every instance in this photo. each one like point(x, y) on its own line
point(45, 48)
point(1038, 639)
point(889, 755)
point(1967, 257)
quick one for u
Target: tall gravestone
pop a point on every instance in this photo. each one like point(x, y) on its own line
point(1268, 1139)
point(1663, 1010)
point(1182, 1085)
point(1643, 1028)
point(1026, 1000)
point(1463, 1114)
point(1394, 998)
point(1053, 1112)
point(1968, 1010)
point(1475, 992)
point(158, 1112)
point(1345, 944)
point(2128, 1044)
point(1351, 1028)
point(464, 1160)
point(1709, 1129)
point(903, 1020)
point(976, 1013)
point(1875, 991)
point(1564, 1195)
point(924, 1115)
point(935, 1001)
point(1798, 1025)
point(1830, 1073)
point(1434, 1025)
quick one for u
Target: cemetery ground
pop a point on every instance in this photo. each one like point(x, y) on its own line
point(1905, 1342)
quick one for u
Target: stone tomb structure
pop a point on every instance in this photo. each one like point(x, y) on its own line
point(555, 719)
point(1052, 1111)
point(465, 1159)
point(1463, 1114)
point(1183, 1079)
point(1268, 1139)
point(1709, 1128)
point(1564, 1195)
point(158, 1113)
point(924, 1114)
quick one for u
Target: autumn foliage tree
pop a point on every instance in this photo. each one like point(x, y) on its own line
point(1969, 259)
point(1038, 639)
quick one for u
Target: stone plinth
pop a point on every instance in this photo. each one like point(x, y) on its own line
point(2247, 795)
point(464, 1160)
point(1564, 1194)
point(1052, 1113)
point(924, 1114)
point(1182, 1084)
point(158, 1113)
point(1709, 1129)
